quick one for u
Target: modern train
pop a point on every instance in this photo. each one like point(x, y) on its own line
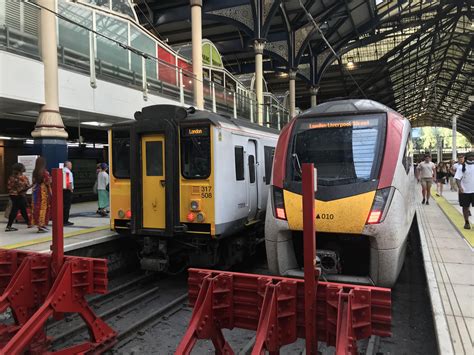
point(365, 192)
point(191, 185)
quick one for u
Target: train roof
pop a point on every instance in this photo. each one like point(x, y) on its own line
point(344, 107)
point(185, 115)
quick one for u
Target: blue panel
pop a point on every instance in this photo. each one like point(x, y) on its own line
point(54, 150)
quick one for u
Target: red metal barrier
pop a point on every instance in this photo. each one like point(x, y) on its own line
point(281, 309)
point(38, 286)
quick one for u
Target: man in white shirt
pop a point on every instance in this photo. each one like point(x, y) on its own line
point(456, 164)
point(68, 188)
point(465, 181)
point(426, 174)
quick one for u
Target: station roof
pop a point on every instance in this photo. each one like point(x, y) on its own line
point(415, 56)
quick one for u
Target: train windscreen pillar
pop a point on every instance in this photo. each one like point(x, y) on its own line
point(57, 246)
point(310, 273)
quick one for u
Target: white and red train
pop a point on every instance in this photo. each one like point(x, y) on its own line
point(365, 197)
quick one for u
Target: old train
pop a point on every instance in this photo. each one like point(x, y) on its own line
point(191, 185)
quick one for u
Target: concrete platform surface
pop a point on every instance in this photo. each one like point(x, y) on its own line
point(449, 265)
point(89, 228)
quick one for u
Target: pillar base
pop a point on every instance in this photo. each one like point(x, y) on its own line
point(53, 149)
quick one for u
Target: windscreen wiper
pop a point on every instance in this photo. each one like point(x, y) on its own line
point(297, 165)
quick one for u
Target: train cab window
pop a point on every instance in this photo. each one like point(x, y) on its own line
point(407, 159)
point(268, 153)
point(154, 158)
point(195, 152)
point(121, 153)
point(239, 163)
point(344, 149)
point(252, 169)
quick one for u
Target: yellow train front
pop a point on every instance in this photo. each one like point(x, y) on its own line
point(192, 185)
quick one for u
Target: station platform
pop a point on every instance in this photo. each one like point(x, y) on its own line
point(449, 260)
point(89, 229)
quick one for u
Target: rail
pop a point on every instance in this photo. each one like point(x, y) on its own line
point(173, 82)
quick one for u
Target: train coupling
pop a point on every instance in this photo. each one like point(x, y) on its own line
point(329, 261)
point(155, 256)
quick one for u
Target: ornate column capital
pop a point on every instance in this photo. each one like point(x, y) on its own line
point(258, 46)
point(195, 3)
point(292, 74)
point(314, 90)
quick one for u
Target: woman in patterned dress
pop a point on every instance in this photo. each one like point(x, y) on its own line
point(41, 195)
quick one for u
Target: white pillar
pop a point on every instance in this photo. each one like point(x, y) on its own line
point(214, 105)
point(314, 91)
point(49, 123)
point(196, 28)
point(258, 47)
point(292, 82)
point(454, 153)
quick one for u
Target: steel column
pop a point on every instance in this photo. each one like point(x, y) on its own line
point(454, 153)
point(310, 274)
point(57, 247)
point(196, 26)
point(258, 47)
point(292, 87)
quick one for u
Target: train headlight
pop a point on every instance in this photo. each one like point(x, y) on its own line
point(278, 203)
point(200, 217)
point(128, 214)
point(121, 214)
point(194, 205)
point(190, 217)
point(380, 206)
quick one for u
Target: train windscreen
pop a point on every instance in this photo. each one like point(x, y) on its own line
point(344, 149)
point(121, 153)
point(195, 152)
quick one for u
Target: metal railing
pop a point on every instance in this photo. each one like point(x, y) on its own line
point(173, 82)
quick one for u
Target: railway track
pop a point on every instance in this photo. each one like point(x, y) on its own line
point(137, 302)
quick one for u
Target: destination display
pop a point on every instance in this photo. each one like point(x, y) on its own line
point(195, 131)
point(340, 124)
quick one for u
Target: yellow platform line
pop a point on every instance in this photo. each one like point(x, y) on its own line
point(455, 217)
point(49, 238)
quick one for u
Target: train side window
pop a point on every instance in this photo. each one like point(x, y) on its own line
point(268, 152)
point(239, 163)
point(252, 168)
point(154, 158)
point(408, 155)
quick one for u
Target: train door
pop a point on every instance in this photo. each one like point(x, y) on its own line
point(251, 178)
point(153, 181)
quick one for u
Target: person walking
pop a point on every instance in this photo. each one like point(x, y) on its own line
point(68, 188)
point(41, 195)
point(18, 184)
point(441, 175)
point(426, 174)
point(103, 189)
point(465, 181)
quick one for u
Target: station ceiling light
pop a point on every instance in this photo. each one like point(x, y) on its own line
point(350, 62)
point(96, 124)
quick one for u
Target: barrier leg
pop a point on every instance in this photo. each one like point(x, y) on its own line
point(345, 340)
point(66, 295)
point(267, 324)
point(203, 324)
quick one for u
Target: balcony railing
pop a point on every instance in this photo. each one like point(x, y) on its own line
point(139, 70)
